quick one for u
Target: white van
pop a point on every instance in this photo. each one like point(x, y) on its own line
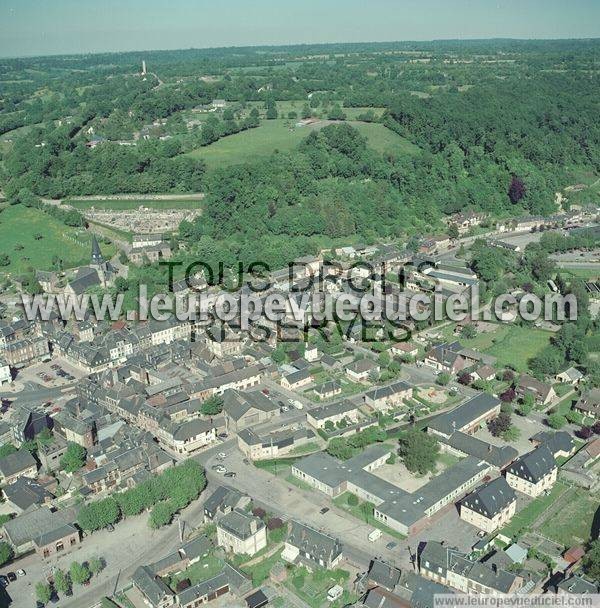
point(335, 593)
point(374, 535)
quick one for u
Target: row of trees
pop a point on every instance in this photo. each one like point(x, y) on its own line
point(165, 494)
point(78, 574)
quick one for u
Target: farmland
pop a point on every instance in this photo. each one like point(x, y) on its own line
point(281, 135)
point(20, 229)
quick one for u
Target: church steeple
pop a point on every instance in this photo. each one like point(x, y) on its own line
point(97, 259)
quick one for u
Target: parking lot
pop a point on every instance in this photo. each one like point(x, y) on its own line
point(49, 374)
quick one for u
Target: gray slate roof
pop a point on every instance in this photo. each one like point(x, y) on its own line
point(464, 414)
point(490, 499)
point(16, 462)
point(534, 465)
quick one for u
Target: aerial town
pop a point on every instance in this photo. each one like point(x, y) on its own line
point(312, 460)
point(370, 471)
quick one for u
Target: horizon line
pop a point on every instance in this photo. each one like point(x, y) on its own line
point(299, 44)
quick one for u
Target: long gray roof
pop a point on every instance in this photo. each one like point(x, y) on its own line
point(464, 414)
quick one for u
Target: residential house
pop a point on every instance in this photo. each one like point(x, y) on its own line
point(153, 589)
point(448, 566)
point(241, 533)
point(404, 349)
point(24, 493)
point(570, 376)
point(453, 357)
point(589, 403)
point(360, 371)
point(560, 443)
point(577, 584)
point(389, 397)
point(18, 464)
point(74, 429)
point(310, 548)
point(296, 380)
point(333, 413)
point(489, 507)
point(228, 581)
point(542, 392)
point(533, 473)
point(222, 501)
point(328, 389)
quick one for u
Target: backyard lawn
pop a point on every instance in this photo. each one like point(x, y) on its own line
point(533, 511)
point(259, 571)
point(200, 571)
point(572, 523)
point(19, 227)
point(364, 512)
point(312, 587)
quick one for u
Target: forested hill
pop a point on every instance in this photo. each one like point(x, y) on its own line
point(300, 146)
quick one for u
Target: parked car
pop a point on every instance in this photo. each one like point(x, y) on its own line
point(265, 391)
point(324, 510)
point(11, 576)
point(221, 455)
point(20, 572)
point(391, 545)
point(230, 474)
point(3, 581)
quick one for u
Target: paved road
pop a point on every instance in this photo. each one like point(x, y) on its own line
point(132, 544)
point(280, 497)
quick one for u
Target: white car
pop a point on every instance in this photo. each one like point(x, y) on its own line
point(21, 572)
point(221, 455)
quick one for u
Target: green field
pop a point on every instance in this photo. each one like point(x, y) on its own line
point(511, 344)
point(514, 345)
point(572, 524)
point(125, 204)
point(283, 135)
point(525, 518)
point(18, 227)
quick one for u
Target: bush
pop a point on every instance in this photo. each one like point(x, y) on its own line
point(443, 379)
point(274, 523)
point(353, 500)
point(556, 421)
point(6, 553)
point(79, 573)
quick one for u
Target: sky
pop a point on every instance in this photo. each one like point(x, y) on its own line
point(48, 27)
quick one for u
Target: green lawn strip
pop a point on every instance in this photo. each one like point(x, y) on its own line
point(364, 512)
point(312, 587)
point(528, 516)
point(200, 571)
point(283, 135)
point(572, 524)
point(307, 448)
point(259, 571)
